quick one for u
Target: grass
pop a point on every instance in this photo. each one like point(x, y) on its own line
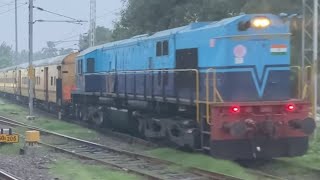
point(10, 149)
point(19, 113)
point(75, 170)
point(312, 158)
point(202, 162)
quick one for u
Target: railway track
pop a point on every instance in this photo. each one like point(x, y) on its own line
point(118, 135)
point(149, 167)
point(6, 176)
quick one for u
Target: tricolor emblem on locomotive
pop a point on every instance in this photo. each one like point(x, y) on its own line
point(224, 87)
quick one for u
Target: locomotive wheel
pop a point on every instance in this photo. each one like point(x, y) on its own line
point(97, 118)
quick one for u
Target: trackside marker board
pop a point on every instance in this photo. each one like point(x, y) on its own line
point(5, 138)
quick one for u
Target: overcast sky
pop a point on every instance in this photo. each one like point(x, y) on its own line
point(107, 12)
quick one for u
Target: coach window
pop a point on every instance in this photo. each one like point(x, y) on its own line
point(51, 81)
point(90, 65)
point(165, 47)
point(159, 48)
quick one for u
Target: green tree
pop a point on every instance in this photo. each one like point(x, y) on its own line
point(64, 51)
point(146, 16)
point(103, 35)
point(50, 50)
point(6, 55)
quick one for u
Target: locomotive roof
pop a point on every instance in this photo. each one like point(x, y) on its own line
point(165, 33)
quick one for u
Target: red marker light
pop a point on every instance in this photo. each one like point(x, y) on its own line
point(291, 107)
point(235, 109)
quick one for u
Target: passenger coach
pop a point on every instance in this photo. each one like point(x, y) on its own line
point(54, 79)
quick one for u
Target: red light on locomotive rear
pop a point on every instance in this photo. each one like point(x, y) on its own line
point(235, 109)
point(291, 107)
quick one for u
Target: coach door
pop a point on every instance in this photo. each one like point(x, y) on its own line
point(186, 59)
point(46, 83)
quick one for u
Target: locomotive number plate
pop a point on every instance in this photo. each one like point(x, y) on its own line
point(5, 138)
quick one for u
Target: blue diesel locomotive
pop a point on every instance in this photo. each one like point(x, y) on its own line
point(223, 87)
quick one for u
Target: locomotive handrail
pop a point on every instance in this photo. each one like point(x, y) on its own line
point(216, 92)
point(196, 71)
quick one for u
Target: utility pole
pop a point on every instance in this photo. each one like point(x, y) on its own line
point(315, 58)
point(315, 54)
point(30, 71)
point(92, 34)
point(16, 33)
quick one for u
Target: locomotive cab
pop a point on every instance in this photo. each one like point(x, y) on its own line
point(257, 115)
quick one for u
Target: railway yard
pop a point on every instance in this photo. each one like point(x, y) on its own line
point(61, 155)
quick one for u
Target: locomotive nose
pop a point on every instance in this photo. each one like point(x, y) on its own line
point(307, 125)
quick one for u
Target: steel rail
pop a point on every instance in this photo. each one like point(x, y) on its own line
point(6, 176)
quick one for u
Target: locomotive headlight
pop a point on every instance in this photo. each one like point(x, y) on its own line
point(261, 22)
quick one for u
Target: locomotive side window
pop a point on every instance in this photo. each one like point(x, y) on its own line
point(165, 46)
point(159, 48)
point(90, 65)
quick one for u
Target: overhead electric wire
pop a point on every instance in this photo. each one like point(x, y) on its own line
point(9, 3)
point(61, 42)
point(57, 14)
point(6, 4)
point(57, 21)
point(68, 46)
point(108, 12)
point(4, 12)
